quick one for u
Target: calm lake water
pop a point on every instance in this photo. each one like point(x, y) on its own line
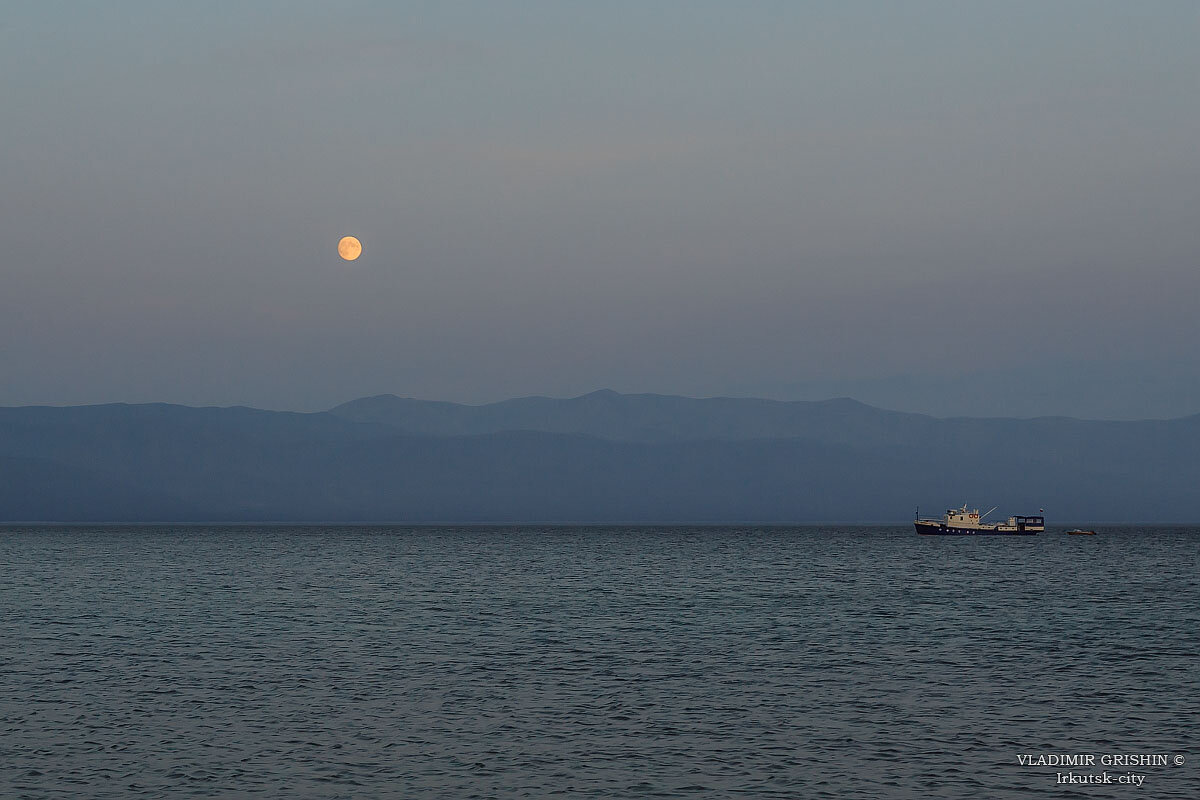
point(830, 662)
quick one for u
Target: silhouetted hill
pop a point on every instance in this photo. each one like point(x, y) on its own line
point(647, 418)
point(1072, 443)
point(639, 458)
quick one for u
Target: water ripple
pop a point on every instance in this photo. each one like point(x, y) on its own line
point(589, 662)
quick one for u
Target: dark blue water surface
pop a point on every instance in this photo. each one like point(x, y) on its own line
point(592, 662)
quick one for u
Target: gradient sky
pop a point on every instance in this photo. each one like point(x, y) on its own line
point(958, 208)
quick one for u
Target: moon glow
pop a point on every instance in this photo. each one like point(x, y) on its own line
point(349, 248)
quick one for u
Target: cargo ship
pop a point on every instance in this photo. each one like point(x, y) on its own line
point(964, 522)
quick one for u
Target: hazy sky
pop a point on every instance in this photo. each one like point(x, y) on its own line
point(951, 207)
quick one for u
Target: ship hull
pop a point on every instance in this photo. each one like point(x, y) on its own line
point(942, 529)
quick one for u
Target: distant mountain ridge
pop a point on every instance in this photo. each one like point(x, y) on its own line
point(641, 417)
point(661, 418)
point(602, 457)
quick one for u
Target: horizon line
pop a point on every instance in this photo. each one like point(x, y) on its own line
point(605, 392)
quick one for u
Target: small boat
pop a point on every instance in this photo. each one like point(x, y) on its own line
point(1080, 532)
point(964, 522)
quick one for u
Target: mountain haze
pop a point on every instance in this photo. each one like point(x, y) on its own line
point(647, 418)
point(603, 457)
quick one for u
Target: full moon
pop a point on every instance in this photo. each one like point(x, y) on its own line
point(349, 248)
